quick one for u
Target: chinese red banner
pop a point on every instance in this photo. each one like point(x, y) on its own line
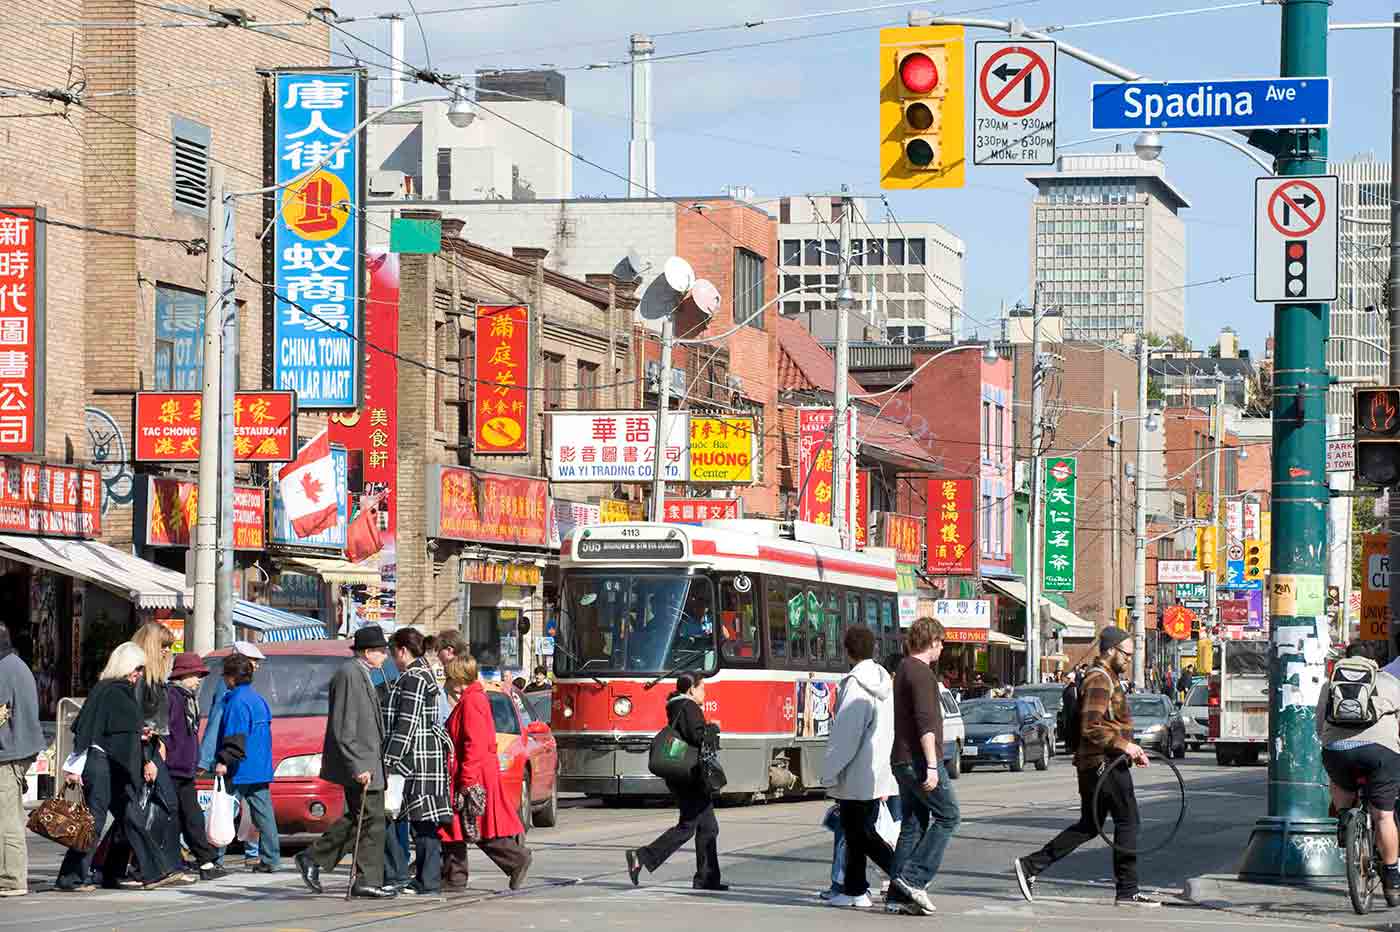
point(172, 510)
point(861, 518)
point(902, 533)
point(21, 330)
point(952, 518)
point(695, 510)
point(814, 466)
point(167, 427)
point(467, 504)
point(502, 416)
point(55, 501)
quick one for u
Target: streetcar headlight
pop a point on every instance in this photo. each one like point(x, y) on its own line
point(568, 707)
point(1003, 739)
point(622, 706)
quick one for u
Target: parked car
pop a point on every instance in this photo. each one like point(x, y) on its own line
point(954, 733)
point(529, 757)
point(1004, 731)
point(1157, 724)
point(1196, 716)
point(1051, 696)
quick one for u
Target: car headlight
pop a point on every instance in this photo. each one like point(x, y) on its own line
point(1152, 729)
point(1002, 739)
point(308, 765)
point(622, 706)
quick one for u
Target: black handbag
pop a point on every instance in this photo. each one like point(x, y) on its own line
point(671, 758)
point(712, 775)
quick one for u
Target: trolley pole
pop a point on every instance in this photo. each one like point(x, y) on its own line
point(1296, 842)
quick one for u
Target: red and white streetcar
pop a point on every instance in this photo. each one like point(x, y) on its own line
point(759, 614)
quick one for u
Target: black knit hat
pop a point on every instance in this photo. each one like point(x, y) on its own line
point(1110, 638)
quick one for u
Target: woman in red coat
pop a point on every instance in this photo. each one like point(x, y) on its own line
point(474, 763)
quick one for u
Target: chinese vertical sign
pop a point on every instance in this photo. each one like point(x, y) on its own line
point(317, 234)
point(502, 417)
point(815, 464)
point(21, 330)
point(1059, 487)
point(861, 516)
point(952, 518)
point(901, 533)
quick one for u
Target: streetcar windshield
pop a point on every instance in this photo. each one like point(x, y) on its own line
point(630, 622)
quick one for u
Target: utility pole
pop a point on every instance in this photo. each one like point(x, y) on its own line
point(1033, 564)
point(841, 445)
point(206, 528)
point(1217, 429)
point(1296, 842)
point(1115, 491)
point(663, 405)
point(1140, 525)
point(1393, 299)
point(228, 389)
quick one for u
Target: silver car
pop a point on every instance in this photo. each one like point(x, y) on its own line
point(1195, 712)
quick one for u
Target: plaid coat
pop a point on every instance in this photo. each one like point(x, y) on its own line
point(415, 746)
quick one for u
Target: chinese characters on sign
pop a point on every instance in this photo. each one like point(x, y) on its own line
point(21, 330)
point(167, 427)
point(901, 532)
point(502, 370)
point(179, 339)
point(332, 538)
point(815, 466)
point(55, 501)
point(619, 511)
point(565, 516)
point(951, 523)
point(172, 511)
point(722, 449)
point(1059, 487)
point(860, 517)
point(615, 446)
point(466, 504)
point(316, 241)
point(695, 510)
point(965, 621)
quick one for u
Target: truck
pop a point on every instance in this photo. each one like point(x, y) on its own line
point(1239, 700)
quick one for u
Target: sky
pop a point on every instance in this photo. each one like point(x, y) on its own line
point(797, 114)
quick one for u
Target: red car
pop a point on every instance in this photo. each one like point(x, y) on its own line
point(295, 680)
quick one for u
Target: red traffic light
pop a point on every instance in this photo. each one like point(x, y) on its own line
point(1295, 251)
point(918, 73)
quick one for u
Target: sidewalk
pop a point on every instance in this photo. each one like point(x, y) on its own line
point(1328, 903)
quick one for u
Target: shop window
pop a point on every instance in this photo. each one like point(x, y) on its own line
point(738, 619)
point(179, 339)
point(485, 636)
point(777, 622)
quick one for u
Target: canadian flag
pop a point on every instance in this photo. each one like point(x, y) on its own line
point(307, 485)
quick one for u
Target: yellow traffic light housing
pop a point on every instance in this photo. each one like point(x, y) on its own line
point(922, 107)
point(1255, 559)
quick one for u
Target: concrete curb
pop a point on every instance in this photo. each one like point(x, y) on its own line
point(1205, 892)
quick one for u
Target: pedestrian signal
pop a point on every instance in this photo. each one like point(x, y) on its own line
point(922, 103)
point(1377, 431)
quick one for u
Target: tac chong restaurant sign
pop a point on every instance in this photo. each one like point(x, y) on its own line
point(172, 511)
point(54, 501)
point(471, 505)
point(168, 423)
point(952, 518)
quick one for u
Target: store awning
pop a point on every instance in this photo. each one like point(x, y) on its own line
point(1006, 640)
point(336, 572)
point(273, 624)
point(1067, 622)
point(143, 583)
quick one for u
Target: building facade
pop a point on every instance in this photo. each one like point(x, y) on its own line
point(1108, 246)
point(1357, 349)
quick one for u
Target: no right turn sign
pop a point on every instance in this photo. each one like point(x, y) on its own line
point(1295, 239)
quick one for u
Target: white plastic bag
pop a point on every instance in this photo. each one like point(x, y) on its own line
point(393, 795)
point(886, 826)
point(218, 823)
point(246, 830)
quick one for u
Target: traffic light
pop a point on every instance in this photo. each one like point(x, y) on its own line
point(1120, 617)
point(1206, 543)
point(922, 104)
point(1377, 425)
point(1256, 559)
point(1295, 267)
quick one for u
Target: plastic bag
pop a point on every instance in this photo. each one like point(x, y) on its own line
point(247, 831)
point(218, 823)
point(393, 795)
point(885, 825)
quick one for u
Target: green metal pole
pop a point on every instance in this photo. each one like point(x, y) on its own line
point(1296, 842)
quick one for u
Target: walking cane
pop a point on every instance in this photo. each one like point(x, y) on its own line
point(355, 852)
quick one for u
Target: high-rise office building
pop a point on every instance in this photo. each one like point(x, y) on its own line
point(1358, 316)
point(1109, 246)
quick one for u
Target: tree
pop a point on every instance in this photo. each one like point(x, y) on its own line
point(1155, 391)
point(1260, 393)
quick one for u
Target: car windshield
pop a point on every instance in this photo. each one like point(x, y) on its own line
point(989, 713)
point(1147, 707)
point(293, 685)
point(503, 714)
point(615, 623)
point(1050, 696)
point(1199, 695)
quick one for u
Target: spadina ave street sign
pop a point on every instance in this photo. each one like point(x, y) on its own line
point(1266, 103)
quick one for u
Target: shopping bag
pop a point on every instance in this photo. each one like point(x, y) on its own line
point(671, 758)
point(218, 823)
point(247, 831)
point(393, 795)
point(885, 825)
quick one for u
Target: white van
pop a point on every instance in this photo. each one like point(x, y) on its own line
point(954, 734)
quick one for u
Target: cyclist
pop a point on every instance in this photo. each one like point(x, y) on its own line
point(1370, 753)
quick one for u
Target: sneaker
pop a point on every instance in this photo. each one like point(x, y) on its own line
point(1138, 899)
point(904, 908)
point(1390, 885)
point(855, 902)
point(261, 867)
point(903, 891)
point(1024, 879)
point(14, 891)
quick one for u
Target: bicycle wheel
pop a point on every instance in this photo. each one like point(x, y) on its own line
point(1363, 873)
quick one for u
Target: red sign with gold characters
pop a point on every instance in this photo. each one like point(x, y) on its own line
point(901, 532)
point(172, 510)
point(502, 416)
point(21, 330)
point(54, 501)
point(952, 518)
point(467, 504)
point(861, 519)
point(1176, 622)
point(167, 427)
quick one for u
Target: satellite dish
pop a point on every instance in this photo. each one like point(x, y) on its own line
point(659, 300)
point(678, 274)
point(630, 267)
point(704, 297)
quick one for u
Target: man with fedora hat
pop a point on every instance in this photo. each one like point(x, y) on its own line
point(182, 756)
point(353, 757)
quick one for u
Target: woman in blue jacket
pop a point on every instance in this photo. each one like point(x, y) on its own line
point(244, 757)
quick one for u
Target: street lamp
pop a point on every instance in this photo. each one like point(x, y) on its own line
point(1149, 145)
point(460, 114)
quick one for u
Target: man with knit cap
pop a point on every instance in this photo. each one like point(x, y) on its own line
point(1105, 735)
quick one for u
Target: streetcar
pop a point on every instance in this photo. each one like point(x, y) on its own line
point(758, 608)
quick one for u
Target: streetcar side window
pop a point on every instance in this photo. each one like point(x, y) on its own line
point(831, 628)
point(852, 614)
point(777, 622)
point(738, 619)
point(797, 608)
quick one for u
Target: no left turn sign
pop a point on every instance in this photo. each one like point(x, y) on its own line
point(1014, 105)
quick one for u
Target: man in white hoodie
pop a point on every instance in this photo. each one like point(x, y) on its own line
point(857, 771)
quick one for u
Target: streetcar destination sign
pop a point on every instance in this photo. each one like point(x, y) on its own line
point(1262, 103)
point(633, 549)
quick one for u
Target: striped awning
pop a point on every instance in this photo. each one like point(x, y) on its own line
point(274, 625)
point(141, 582)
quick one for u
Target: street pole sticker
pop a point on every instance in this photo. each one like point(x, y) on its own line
point(1014, 107)
point(1295, 239)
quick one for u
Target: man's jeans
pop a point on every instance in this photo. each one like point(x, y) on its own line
point(930, 819)
point(258, 799)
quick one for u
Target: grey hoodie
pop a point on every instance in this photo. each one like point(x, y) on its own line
point(858, 748)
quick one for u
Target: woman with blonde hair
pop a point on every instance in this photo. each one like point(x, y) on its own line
point(157, 643)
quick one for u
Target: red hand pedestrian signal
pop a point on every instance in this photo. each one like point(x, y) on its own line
point(1376, 415)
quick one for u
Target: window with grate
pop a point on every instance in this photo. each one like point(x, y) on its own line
point(192, 141)
point(587, 385)
point(749, 282)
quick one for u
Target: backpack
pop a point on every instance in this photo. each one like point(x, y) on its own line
point(1069, 700)
point(1351, 693)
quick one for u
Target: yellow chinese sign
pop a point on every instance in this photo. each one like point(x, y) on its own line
point(619, 511)
point(722, 449)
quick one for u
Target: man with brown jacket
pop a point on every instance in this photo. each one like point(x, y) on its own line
point(1105, 734)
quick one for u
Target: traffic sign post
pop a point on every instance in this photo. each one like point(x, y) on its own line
point(1265, 103)
point(1014, 103)
point(1296, 238)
